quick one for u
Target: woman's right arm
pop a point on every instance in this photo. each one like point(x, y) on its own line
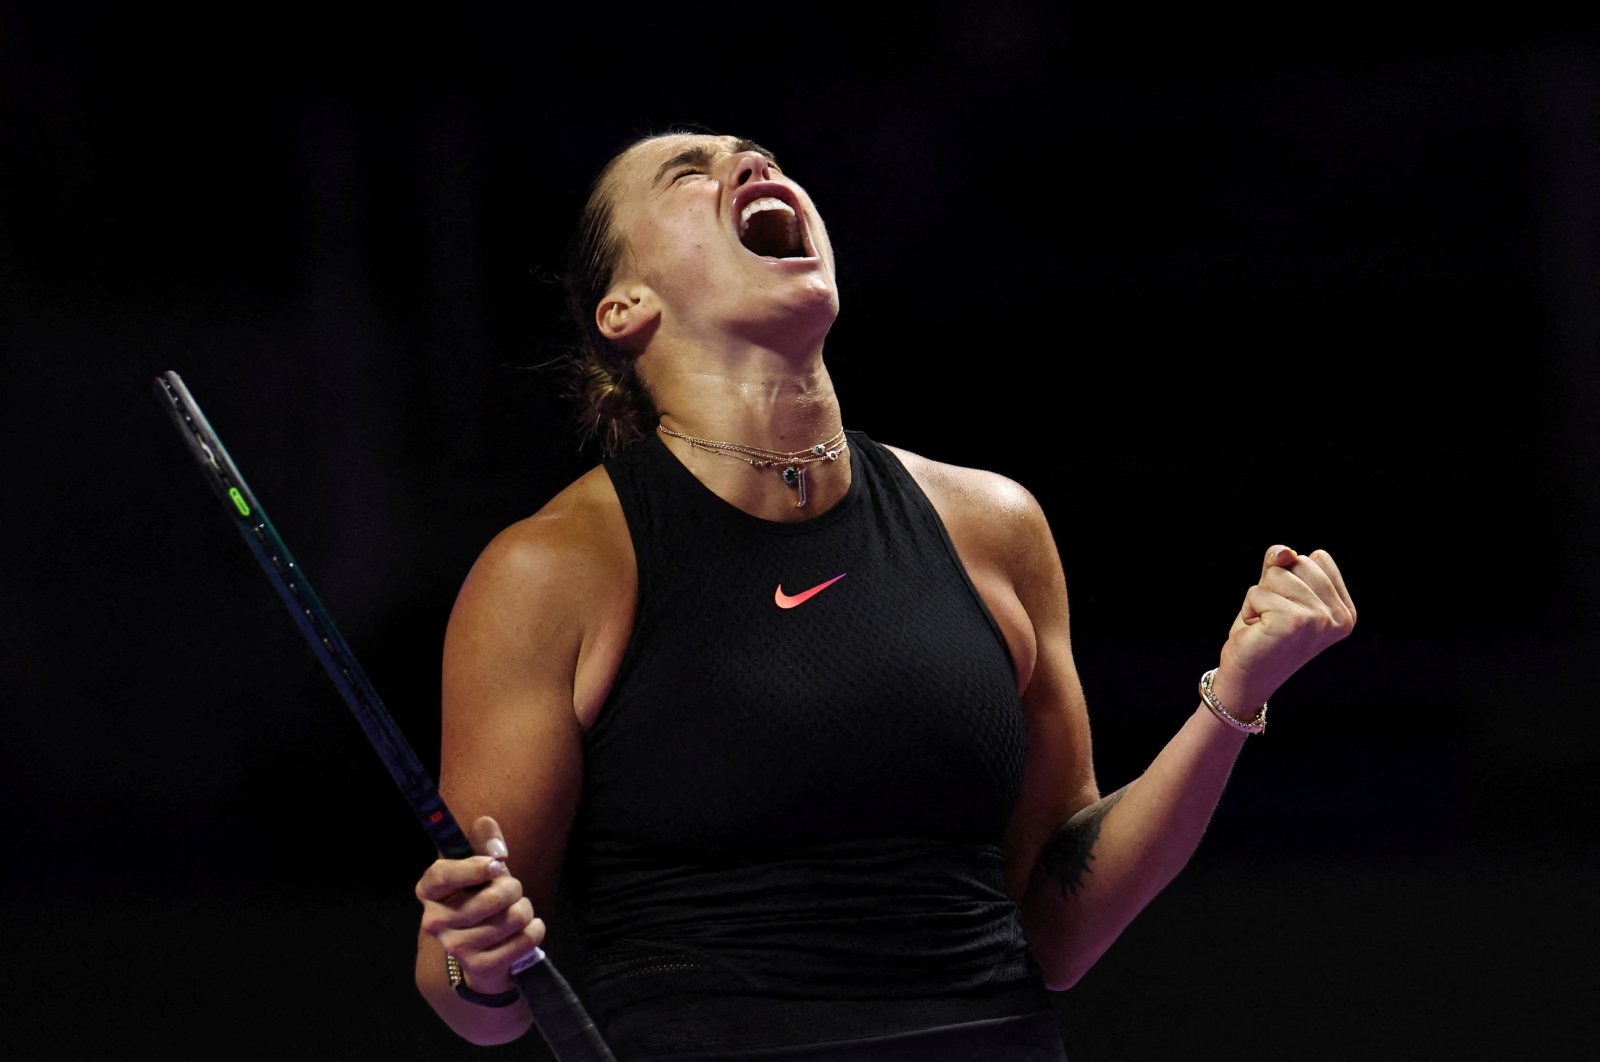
point(525, 640)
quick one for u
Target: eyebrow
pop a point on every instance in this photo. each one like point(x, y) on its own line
point(702, 153)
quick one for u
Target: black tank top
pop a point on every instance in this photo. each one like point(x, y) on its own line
point(797, 789)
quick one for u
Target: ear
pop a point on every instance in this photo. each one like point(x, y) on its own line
point(626, 311)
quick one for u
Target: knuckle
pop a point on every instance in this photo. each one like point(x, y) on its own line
point(434, 922)
point(507, 891)
point(428, 884)
point(491, 898)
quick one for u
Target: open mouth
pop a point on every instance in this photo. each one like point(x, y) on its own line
point(769, 227)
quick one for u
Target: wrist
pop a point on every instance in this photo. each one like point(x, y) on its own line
point(458, 982)
point(1239, 689)
point(1232, 706)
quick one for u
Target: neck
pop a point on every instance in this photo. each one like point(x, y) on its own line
point(792, 467)
point(762, 398)
point(771, 445)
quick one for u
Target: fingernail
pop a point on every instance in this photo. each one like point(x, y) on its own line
point(496, 847)
point(496, 868)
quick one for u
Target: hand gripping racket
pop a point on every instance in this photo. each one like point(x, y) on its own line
point(561, 1019)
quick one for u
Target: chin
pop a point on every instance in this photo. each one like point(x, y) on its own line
point(820, 306)
point(801, 323)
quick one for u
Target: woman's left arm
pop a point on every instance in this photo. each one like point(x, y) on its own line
point(1083, 865)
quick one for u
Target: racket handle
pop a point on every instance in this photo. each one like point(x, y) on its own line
point(562, 1021)
point(566, 1027)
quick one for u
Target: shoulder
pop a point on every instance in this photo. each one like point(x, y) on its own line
point(565, 552)
point(545, 611)
point(581, 521)
point(980, 508)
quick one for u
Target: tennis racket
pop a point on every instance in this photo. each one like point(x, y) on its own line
point(556, 1010)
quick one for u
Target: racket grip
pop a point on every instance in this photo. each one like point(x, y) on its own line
point(562, 1021)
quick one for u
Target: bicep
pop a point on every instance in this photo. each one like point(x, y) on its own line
point(1059, 778)
point(510, 743)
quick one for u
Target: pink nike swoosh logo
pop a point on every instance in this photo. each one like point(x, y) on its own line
point(791, 600)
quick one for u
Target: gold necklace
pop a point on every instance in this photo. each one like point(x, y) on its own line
point(792, 464)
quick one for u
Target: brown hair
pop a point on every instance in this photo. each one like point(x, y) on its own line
point(613, 407)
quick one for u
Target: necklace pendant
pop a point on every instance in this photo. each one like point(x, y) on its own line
point(795, 476)
point(791, 466)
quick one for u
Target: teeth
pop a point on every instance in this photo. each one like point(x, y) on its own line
point(756, 206)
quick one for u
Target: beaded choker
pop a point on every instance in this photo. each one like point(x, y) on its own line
point(791, 465)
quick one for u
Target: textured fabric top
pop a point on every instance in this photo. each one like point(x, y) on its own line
point(806, 802)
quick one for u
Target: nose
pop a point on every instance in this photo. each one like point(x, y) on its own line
point(750, 166)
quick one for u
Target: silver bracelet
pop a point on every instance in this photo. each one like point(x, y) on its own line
point(1251, 726)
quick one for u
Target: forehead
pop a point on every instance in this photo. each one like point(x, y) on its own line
point(643, 165)
point(654, 150)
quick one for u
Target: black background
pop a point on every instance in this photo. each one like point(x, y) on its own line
point(1203, 281)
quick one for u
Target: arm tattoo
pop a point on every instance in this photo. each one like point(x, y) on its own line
point(1065, 857)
